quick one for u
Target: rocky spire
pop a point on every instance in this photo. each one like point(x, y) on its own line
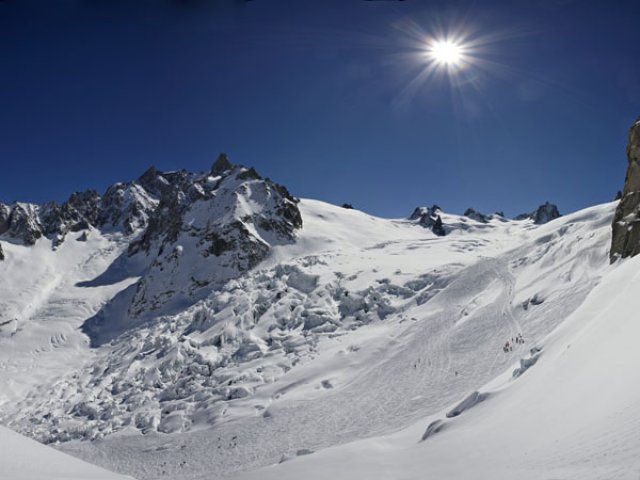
point(541, 215)
point(545, 213)
point(430, 218)
point(625, 239)
point(221, 165)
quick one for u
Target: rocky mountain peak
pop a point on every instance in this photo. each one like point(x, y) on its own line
point(541, 215)
point(625, 240)
point(188, 232)
point(477, 216)
point(545, 213)
point(429, 217)
point(221, 165)
point(21, 223)
point(196, 231)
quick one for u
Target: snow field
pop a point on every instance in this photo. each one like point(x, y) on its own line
point(361, 327)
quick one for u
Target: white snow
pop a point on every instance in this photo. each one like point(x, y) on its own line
point(573, 416)
point(42, 304)
point(24, 459)
point(341, 349)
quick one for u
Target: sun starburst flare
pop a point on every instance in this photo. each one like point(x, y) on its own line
point(446, 53)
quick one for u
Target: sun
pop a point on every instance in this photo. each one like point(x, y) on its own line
point(447, 53)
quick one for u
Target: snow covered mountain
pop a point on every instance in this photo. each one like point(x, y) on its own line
point(203, 325)
point(226, 220)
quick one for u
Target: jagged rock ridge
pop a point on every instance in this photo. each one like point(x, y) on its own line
point(228, 219)
point(430, 218)
point(187, 232)
point(541, 215)
point(477, 216)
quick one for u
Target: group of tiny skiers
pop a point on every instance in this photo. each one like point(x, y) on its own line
point(508, 346)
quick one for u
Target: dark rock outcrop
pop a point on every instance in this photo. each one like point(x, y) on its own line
point(541, 215)
point(477, 216)
point(430, 218)
point(24, 224)
point(482, 217)
point(221, 165)
point(78, 213)
point(625, 240)
point(1, 253)
point(5, 215)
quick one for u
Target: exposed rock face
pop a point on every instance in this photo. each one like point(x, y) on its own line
point(27, 222)
point(625, 240)
point(477, 216)
point(221, 165)
point(24, 223)
point(125, 206)
point(1, 253)
point(5, 214)
point(430, 218)
point(541, 215)
point(482, 217)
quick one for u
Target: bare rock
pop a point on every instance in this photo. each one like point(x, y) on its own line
point(541, 215)
point(221, 165)
point(477, 216)
point(430, 218)
point(625, 240)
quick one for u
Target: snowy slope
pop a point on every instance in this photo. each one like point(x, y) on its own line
point(44, 299)
point(572, 415)
point(24, 459)
point(360, 327)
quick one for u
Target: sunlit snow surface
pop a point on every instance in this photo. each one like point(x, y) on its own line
point(360, 329)
point(24, 459)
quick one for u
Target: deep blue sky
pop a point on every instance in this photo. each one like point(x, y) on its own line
point(315, 94)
